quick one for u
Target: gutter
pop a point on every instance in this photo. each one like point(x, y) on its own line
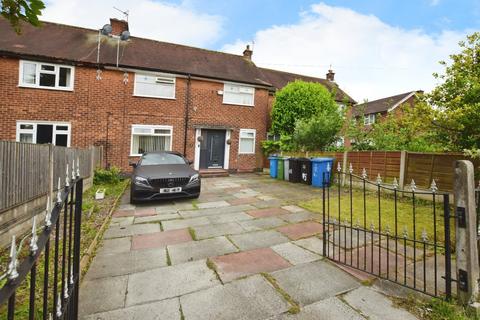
point(187, 113)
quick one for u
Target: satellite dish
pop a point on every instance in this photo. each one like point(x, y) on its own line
point(125, 35)
point(106, 30)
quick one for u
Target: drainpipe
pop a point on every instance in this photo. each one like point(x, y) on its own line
point(187, 110)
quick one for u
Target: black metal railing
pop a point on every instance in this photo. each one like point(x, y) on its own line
point(54, 253)
point(381, 230)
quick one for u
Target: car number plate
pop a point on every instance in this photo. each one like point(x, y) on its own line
point(171, 190)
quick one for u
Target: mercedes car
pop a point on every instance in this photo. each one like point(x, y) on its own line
point(163, 175)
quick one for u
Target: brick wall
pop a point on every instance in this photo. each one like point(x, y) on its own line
point(102, 112)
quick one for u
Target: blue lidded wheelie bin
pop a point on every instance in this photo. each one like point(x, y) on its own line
point(273, 166)
point(319, 171)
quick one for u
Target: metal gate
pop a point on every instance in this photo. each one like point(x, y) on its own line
point(45, 282)
point(403, 236)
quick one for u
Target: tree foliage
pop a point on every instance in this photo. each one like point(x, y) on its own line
point(16, 11)
point(457, 98)
point(319, 132)
point(300, 100)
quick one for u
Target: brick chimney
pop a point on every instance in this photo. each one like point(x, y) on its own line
point(118, 26)
point(331, 75)
point(247, 53)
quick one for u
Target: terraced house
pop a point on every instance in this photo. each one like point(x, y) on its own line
point(73, 86)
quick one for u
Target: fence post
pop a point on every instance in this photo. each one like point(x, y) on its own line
point(403, 169)
point(51, 178)
point(466, 233)
point(344, 165)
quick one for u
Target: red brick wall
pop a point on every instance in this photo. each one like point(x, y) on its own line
point(96, 108)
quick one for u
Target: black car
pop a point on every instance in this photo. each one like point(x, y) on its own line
point(163, 175)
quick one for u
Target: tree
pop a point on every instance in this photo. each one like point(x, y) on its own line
point(16, 11)
point(318, 132)
point(457, 99)
point(300, 100)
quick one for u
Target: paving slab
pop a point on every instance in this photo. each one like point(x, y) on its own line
point(166, 209)
point(250, 298)
point(293, 208)
point(110, 291)
point(168, 282)
point(375, 305)
point(262, 204)
point(111, 265)
point(294, 254)
point(202, 249)
point(160, 239)
point(262, 223)
point(184, 223)
point(124, 213)
point(145, 212)
point(266, 198)
point(134, 229)
point(215, 230)
point(113, 246)
point(301, 230)
point(352, 238)
point(268, 212)
point(157, 218)
point(313, 244)
point(246, 200)
point(258, 239)
point(122, 221)
point(236, 265)
point(229, 217)
point(162, 310)
point(215, 211)
point(126, 206)
point(298, 216)
point(328, 309)
point(314, 281)
point(214, 204)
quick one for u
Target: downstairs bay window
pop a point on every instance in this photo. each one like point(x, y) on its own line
point(148, 138)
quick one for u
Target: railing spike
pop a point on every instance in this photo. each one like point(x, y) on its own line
point(59, 307)
point(433, 186)
point(71, 277)
point(372, 226)
point(364, 174)
point(78, 167)
point(67, 177)
point(413, 186)
point(350, 169)
point(405, 232)
point(387, 230)
point(74, 172)
point(65, 290)
point(328, 167)
point(33, 241)
point(59, 192)
point(339, 167)
point(424, 235)
point(12, 266)
point(48, 215)
point(379, 179)
point(395, 183)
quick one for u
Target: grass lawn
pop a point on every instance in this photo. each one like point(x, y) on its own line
point(94, 213)
point(423, 212)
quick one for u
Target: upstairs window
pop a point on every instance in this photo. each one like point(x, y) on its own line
point(237, 94)
point(146, 138)
point(46, 75)
point(369, 119)
point(154, 86)
point(247, 141)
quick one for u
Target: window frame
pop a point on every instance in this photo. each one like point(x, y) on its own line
point(225, 84)
point(33, 131)
point(254, 131)
point(152, 127)
point(38, 70)
point(158, 75)
point(367, 119)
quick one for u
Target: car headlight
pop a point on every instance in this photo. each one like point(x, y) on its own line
point(194, 178)
point(141, 181)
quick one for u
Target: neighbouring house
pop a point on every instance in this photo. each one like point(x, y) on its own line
point(72, 86)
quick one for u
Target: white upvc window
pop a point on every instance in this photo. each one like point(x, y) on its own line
point(46, 75)
point(147, 138)
point(238, 94)
point(41, 132)
point(154, 85)
point(246, 144)
point(369, 119)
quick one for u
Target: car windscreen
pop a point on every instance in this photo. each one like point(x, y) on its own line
point(150, 159)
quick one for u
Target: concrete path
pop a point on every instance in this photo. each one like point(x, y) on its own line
point(243, 250)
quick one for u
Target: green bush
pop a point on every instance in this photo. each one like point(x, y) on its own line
point(107, 176)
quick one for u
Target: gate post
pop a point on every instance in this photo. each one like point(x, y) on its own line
point(466, 233)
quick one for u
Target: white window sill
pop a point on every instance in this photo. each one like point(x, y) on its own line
point(239, 104)
point(154, 97)
point(246, 153)
point(46, 88)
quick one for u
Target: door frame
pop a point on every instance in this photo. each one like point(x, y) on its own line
point(226, 157)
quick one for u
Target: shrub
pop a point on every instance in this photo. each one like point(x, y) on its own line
point(107, 176)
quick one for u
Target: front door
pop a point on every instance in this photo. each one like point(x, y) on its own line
point(212, 149)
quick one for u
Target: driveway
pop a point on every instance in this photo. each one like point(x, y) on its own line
point(243, 250)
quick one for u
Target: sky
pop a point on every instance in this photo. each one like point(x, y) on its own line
point(377, 48)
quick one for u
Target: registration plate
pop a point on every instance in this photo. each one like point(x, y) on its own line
point(171, 190)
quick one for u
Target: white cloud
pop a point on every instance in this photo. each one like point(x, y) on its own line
point(371, 58)
point(148, 19)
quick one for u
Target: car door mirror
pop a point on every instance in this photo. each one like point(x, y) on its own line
point(132, 164)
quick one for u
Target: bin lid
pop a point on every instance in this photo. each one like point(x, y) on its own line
point(322, 160)
point(273, 157)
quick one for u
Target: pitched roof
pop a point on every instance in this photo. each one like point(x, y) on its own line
point(382, 105)
point(280, 79)
point(65, 43)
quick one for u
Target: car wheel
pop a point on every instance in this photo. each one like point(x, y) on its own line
point(132, 200)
